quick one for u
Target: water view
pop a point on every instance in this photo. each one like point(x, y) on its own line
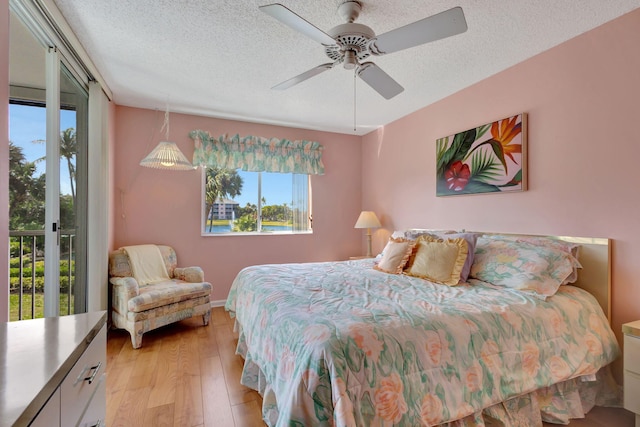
point(227, 228)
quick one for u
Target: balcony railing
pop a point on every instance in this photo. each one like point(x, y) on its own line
point(27, 288)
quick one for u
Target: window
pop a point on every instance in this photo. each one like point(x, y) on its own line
point(252, 184)
point(237, 201)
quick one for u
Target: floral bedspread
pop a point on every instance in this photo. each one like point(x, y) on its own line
point(343, 344)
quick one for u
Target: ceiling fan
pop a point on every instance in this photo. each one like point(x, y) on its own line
point(352, 43)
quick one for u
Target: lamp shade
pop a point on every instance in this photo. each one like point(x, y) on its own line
point(168, 156)
point(367, 219)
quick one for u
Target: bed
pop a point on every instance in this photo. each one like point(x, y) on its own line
point(347, 344)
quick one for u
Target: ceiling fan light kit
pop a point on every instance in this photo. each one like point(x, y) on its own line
point(351, 43)
point(349, 10)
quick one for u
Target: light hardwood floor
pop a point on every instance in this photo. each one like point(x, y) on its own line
point(188, 375)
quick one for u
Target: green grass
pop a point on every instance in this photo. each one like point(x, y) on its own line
point(14, 300)
point(277, 223)
point(14, 273)
point(14, 297)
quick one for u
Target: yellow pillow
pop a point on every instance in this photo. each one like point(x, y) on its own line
point(438, 260)
point(395, 255)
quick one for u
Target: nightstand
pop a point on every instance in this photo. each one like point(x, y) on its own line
point(631, 333)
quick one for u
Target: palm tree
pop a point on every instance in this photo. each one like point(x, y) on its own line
point(26, 192)
point(221, 184)
point(20, 172)
point(68, 150)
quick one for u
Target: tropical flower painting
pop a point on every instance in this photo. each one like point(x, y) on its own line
point(487, 159)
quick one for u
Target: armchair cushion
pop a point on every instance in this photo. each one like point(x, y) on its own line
point(189, 274)
point(166, 314)
point(164, 293)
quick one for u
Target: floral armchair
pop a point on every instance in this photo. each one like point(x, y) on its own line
point(142, 308)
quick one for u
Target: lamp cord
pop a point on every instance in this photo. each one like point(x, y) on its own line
point(165, 125)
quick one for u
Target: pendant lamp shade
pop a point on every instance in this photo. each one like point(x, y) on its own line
point(167, 156)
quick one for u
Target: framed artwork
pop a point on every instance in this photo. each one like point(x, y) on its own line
point(487, 159)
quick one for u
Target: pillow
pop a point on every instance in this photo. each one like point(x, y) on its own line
point(471, 239)
point(397, 234)
point(524, 266)
point(415, 233)
point(571, 248)
point(395, 255)
point(439, 261)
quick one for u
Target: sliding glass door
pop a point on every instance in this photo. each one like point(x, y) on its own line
point(66, 195)
point(73, 191)
point(48, 168)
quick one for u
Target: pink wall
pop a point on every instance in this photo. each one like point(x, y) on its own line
point(582, 98)
point(4, 160)
point(154, 206)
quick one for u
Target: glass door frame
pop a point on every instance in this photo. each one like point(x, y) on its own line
point(56, 67)
point(78, 101)
point(52, 194)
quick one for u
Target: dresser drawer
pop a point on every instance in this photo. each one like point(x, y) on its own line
point(83, 379)
point(49, 415)
point(632, 353)
point(96, 412)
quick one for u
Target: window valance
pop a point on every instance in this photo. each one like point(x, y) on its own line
point(257, 154)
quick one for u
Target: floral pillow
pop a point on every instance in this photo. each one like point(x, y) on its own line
point(522, 265)
point(571, 248)
point(395, 255)
point(415, 233)
point(437, 260)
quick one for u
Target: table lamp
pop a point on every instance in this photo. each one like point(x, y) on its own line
point(368, 220)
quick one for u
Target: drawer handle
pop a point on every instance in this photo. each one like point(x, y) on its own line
point(98, 424)
point(95, 370)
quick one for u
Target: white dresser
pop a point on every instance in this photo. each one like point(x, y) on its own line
point(631, 379)
point(52, 371)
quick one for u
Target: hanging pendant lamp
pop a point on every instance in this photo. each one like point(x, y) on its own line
point(167, 155)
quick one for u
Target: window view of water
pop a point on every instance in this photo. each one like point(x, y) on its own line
point(227, 228)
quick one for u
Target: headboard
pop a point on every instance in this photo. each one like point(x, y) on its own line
point(595, 255)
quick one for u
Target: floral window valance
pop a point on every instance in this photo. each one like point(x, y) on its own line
point(257, 154)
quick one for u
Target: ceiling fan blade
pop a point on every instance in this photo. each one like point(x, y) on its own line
point(436, 27)
point(292, 20)
point(304, 76)
point(380, 81)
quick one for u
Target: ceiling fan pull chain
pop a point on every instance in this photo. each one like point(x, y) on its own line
point(354, 98)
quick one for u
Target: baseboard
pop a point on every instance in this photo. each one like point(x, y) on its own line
point(219, 303)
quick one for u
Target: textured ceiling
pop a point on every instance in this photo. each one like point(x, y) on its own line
point(220, 58)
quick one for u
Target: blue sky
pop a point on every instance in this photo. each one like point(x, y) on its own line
point(276, 188)
point(28, 124)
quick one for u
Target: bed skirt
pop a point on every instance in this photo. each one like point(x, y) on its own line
point(555, 404)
